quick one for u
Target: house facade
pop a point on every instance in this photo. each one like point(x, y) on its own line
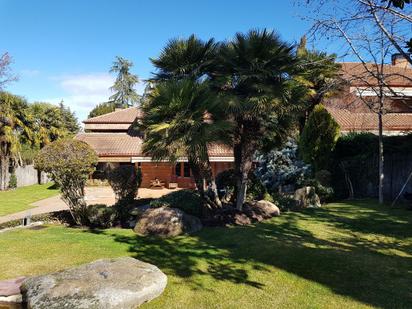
point(352, 114)
point(116, 141)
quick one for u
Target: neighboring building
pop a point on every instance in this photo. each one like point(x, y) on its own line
point(353, 115)
point(115, 141)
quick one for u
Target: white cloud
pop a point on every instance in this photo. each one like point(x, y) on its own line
point(87, 84)
point(82, 92)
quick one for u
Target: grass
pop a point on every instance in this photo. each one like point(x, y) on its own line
point(346, 255)
point(13, 201)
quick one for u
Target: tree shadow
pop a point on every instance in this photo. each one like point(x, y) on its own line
point(350, 262)
point(180, 256)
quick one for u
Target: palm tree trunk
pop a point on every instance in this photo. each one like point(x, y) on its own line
point(211, 184)
point(243, 164)
point(202, 173)
point(197, 175)
point(4, 169)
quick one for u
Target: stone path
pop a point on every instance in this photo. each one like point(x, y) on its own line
point(94, 195)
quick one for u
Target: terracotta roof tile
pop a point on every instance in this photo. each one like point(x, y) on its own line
point(356, 73)
point(219, 150)
point(127, 115)
point(125, 145)
point(349, 121)
point(113, 144)
point(353, 103)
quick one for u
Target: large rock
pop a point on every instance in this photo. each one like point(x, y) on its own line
point(306, 197)
point(266, 209)
point(166, 222)
point(113, 283)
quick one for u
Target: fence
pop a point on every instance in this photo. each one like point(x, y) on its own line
point(28, 175)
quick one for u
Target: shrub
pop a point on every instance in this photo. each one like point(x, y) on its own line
point(319, 138)
point(187, 200)
point(324, 177)
point(268, 197)
point(101, 216)
point(325, 193)
point(225, 182)
point(13, 181)
point(125, 181)
point(69, 162)
point(281, 167)
point(285, 202)
point(256, 189)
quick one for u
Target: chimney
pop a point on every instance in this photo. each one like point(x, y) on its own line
point(400, 61)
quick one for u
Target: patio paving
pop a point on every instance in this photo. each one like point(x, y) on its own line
point(94, 195)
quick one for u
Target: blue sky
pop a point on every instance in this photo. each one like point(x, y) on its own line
point(64, 49)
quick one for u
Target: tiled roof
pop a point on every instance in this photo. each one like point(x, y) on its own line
point(113, 144)
point(218, 150)
point(349, 121)
point(127, 115)
point(125, 145)
point(353, 103)
point(356, 73)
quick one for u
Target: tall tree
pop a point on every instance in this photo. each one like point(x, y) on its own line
point(184, 64)
point(15, 129)
point(371, 14)
point(48, 124)
point(362, 38)
point(124, 93)
point(253, 71)
point(185, 58)
point(319, 74)
point(176, 127)
point(69, 119)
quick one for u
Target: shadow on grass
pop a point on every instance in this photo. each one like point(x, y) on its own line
point(53, 186)
point(345, 262)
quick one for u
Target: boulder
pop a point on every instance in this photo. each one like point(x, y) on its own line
point(266, 209)
point(227, 216)
point(306, 198)
point(166, 222)
point(111, 283)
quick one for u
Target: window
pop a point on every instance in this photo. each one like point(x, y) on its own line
point(186, 169)
point(177, 170)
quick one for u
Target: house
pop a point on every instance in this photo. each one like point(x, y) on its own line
point(353, 115)
point(116, 141)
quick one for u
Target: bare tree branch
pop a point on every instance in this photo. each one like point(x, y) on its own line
point(6, 75)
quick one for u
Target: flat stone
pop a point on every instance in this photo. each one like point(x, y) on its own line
point(121, 283)
point(11, 302)
point(11, 287)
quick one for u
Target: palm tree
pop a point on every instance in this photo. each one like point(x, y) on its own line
point(319, 74)
point(15, 128)
point(48, 123)
point(176, 127)
point(253, 71)
point(185, 58)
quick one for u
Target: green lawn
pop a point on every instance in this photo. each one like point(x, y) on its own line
point(20, 199)
point(342, 256)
